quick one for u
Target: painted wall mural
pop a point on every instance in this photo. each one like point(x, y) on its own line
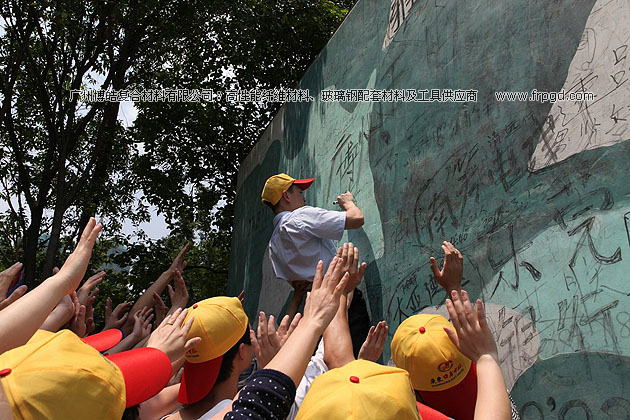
point(535, 194)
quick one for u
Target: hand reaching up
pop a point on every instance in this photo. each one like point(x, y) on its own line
point(349, 255)
point(372, 348)
point(323, 300)
point(142, 323)
point(268, 342)
point(450, 277)
point(178, 262)
point(160, 308)
point(473, 338)
point(170, 336)
point(179, 296)
point(89, 287)
point(117, 317)
point(285, 329)
point(76, 264)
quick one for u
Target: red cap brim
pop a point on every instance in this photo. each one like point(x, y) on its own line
point(428, 413)
point(303, 183)
point(198, 380)
point(458, 401)
point(104, 340)
point(146, 372)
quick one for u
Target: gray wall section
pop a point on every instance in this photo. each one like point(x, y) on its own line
point(534, 194)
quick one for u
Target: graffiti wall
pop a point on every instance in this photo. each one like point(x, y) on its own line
point(535, 194)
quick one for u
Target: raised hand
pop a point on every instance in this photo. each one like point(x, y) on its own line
point(89, 314)
point(77, 324)
point(473, 338)
point(323, 300)
point(179, 296)
point(178, 262)
point(450, 276)
point(267, 343)
point(349, 255)
point(285, 329)
point(89, 287)
point(142, 323)
point(74, 268)
point(372, 347)
point(170, 336)
point(345, 199)
point(117, 317)
point(6, 278)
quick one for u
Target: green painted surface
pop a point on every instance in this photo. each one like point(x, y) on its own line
point(550, 244)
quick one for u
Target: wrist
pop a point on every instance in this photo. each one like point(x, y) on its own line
point(487, 359)
point(312, 325)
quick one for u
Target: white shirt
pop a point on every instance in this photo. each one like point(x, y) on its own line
point(315, 367)
point(301, 238)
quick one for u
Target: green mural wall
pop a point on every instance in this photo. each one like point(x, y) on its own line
point(535, 195)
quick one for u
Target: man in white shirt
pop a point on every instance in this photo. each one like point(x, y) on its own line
point(303, 235)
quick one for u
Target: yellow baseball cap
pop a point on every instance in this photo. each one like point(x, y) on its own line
point(277, 184)
point(57, 375)
point(438, 370)
point(360, 390)
point(220, 322)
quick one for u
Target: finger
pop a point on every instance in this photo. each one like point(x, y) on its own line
point(340, 287)
point(262, 327)
point(370, 334)
point(362, 270)
point(148, 321)
point(179, 319)
point(284, 325)
point(55, 270)
point(459, 309)
point(294, 323)
point(319, 275)
point(339, 251)
point(434, 268)
point(254, 341)
point(171, 292)
point(468, 309)
point(186, 328)
point(344, 254)
point(336, 263)
point(108, 308)
point(451, 334)
point(96, 230)
point(452, 313)
point(184, 264)
point(241, 295)
point(355, 259)
point(271, 326)
point(481, 315)
point(192, 343)
point(87, 231)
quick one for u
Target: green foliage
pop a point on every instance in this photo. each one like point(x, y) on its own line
point(62, 160)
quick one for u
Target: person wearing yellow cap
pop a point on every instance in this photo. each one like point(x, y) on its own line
point(304, 235)
point(60, 376)
point(442, 371)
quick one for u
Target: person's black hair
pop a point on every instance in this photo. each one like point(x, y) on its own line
point(228, 358)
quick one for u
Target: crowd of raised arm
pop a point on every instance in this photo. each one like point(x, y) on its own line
point(205, 361)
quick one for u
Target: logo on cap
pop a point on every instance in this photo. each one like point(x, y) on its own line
point(445, 366)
